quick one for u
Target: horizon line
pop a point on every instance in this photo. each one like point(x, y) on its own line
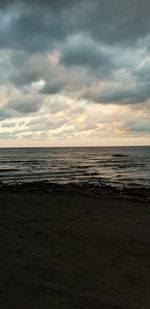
point(90, 146)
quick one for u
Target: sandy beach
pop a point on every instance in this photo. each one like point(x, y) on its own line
point(63, 250)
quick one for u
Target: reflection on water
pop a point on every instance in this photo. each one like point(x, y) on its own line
point(112, 165)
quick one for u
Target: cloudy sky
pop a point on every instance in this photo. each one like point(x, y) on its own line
point(74, 72)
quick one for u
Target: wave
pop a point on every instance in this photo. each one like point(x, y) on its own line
point(92, 165)
point(119, 155)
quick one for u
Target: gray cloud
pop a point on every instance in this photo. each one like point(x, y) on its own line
point(45, 25)
point(135, 89)
point(92, 41)
point(73, 48)
point(5, 113)
point(140, 93)
point(7, 135)
point(40, 25)
point(84, 52)
point(58, 106)
point(53, 87)
point(32, 27)
point(43, 123)
point(27, 69)
point(25, 104)
point(141, 126)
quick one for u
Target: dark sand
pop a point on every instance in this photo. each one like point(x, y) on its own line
point(73, 251)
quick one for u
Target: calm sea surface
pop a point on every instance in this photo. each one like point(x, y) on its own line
point(110, 165)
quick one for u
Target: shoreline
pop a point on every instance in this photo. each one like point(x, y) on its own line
point(102, 190)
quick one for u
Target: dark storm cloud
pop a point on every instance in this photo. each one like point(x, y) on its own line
point(53, 87)
point(90, 35)
point(48, 3)
point(38, 25)
point(31, 31)
point(35, 26)
point(116, 21)
point(84, 52)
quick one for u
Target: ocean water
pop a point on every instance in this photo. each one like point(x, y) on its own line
point(110, 165)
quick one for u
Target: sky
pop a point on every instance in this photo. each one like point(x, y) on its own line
point(74, 73)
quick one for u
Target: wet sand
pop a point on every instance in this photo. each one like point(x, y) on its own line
point(67, 250)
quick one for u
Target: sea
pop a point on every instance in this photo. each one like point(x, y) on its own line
point(115, 166)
